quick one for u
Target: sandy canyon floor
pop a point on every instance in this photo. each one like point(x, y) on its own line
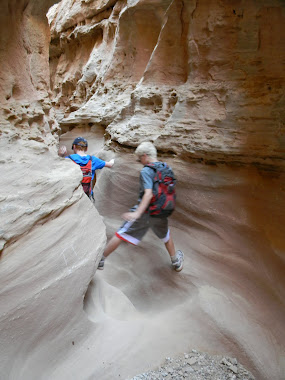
point(226, 301)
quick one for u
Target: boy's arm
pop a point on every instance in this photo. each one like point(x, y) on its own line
point(142, 206)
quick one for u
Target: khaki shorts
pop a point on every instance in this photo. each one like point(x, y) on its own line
point(133, 231)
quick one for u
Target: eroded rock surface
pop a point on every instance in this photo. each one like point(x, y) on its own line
point(45, 267)
point(202, 79)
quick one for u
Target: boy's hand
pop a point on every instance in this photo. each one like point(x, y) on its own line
point(62, 151)
point(110, 163)
point(131, 216)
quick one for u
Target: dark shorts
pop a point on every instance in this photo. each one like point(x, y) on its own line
point(133, 231)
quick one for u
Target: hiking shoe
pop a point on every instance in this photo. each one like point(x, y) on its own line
point(101, 264)
point(178, 263)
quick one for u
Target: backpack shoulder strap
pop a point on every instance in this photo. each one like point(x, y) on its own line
point(165, 165)
point(156, 169)
point(150, 166)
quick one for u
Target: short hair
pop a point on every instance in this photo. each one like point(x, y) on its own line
point(148, 148)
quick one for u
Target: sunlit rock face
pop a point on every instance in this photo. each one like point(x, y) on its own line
point(203, 79)
point(50, 234)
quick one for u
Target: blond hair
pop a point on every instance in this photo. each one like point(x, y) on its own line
point(147, 148)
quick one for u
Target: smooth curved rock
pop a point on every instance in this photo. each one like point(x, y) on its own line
point(202, 79)
point(51, 236)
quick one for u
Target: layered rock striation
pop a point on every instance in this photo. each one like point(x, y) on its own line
point(203, 80)
point(45, 267)
point(204, 77)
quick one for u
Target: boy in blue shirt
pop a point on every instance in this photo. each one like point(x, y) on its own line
point(88, 164)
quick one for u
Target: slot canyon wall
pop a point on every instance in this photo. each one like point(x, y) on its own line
point(203, 80)
point(41, 261)
point(200, 78)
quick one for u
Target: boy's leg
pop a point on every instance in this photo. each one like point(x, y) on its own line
point(110, 247)
point(160, 228)
point(177, 258)
point(131, 232)
point(170, 246)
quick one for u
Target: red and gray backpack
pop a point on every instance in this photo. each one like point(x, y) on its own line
point(163, 201)
point(87, 177)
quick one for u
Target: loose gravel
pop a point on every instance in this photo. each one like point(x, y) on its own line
point(198, 366)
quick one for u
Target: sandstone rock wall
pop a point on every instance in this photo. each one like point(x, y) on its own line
point(204, 77)
point(42, 260)
point(204, 80)
point(229, 296)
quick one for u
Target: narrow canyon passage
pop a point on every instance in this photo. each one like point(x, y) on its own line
point(227, 296)
point(204, 81)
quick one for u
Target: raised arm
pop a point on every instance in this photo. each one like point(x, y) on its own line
point(109, 164)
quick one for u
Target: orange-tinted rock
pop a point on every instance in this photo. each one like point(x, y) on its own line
point(205, 78)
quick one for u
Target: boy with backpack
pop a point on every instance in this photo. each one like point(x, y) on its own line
point(156, 202)
point(88, 164)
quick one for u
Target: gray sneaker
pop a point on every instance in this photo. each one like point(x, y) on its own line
point(178, 264)
point(101, 264)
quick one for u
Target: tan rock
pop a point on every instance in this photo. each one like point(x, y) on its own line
point(51, 236)
point(202, 79)
point(205, 76)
